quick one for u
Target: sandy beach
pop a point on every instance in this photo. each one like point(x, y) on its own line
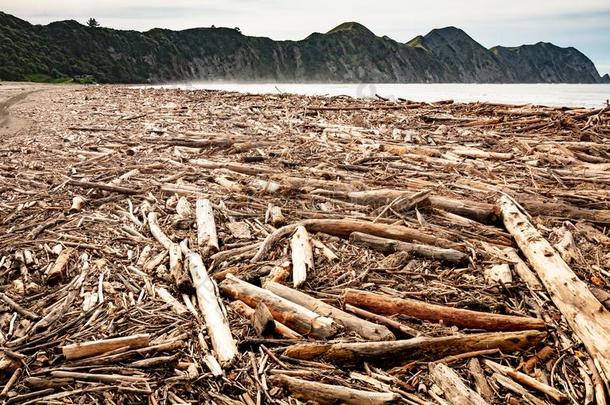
point(430, 243)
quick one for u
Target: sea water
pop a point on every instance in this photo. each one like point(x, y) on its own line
point(573, 95)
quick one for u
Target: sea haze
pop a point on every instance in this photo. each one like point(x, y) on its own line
point(574, 95)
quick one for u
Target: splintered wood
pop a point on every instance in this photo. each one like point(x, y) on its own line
point(161, 246)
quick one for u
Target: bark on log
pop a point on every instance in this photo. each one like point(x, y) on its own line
point(419, 348)
point(302, 256)
point(464, 318)
point(331, 394)
point(290, 314)
point(207, 240)
point(454, 389)
point(366, 329)
point(93, 348)
point(391, 246)
point(587, 317)
point(215, 320)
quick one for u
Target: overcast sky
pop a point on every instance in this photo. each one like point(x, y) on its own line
point(584, 24)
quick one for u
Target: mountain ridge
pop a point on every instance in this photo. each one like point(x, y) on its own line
point(349, 52)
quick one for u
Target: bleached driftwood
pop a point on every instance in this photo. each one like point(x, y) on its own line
point(207, 239)
point(586, 316)
point(215, 320)
point(302, 256)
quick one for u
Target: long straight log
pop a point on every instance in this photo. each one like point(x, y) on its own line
point(587, 317)
point(215, 321)
point(296, 317)
point(481, 212)
point(418, 348)
point(326, 394)
point(366, 329)
point(345, 227)
point(391, 246)
point(464, 318)
point(93, 348)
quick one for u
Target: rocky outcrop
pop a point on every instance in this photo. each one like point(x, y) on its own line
point(348, 53)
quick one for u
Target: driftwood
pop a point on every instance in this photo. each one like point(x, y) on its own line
point(438, 313)
point(331, 394)
point(215, 321)
point(392, 246)
point(367, 179)
point(527, 380)
point(587, 317)
point(207, 240)
point(175, 255)
point(302, 256)
point(296, 317)
point(93, 348)
point(244, 310)
point(456, 392)
point(366, 329)
point(392, 352)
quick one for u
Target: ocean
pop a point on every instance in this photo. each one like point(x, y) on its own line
point(573, 95)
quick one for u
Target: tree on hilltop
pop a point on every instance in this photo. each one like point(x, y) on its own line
point(92, 22)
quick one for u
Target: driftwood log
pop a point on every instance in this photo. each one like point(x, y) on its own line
point(420, 348)
point(296, 317)
point(587, 317)
point(464, 318)
point(368, 330)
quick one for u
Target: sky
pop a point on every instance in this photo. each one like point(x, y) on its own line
point(583, 24)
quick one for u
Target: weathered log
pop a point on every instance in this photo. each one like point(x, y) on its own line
point(391, 246)
point(331, 394)
point(407, 330)
point(302, 256)
point(93, 348)
point(216, 323)
point(454, 389)
point(418, 348)
point(294, 316)
point(587, 317)
point(207, 240)
point(464, 318)
point(366, 329)
point(481, 212)
point(244, 310)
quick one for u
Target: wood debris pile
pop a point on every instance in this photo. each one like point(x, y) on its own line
point(177, 247)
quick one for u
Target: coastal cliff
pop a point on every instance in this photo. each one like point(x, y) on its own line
point(68, 50)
